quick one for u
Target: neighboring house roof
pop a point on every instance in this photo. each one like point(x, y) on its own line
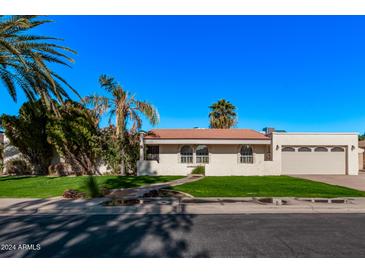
point(199, 133)
point(362, 143)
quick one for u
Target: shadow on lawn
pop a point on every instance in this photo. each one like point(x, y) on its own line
point(108, 236)
point(11, 178)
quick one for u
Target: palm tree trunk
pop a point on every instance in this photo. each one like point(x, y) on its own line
point(122, 164)
point(120, 134)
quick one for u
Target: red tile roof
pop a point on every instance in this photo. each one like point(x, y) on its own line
point(200, 133)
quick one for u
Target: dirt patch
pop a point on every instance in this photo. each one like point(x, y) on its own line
point(121, 202)
point(163, 193)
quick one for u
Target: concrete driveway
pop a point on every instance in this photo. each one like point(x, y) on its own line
point(351, 181)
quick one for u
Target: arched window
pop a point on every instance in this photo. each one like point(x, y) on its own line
point(304, 149)
point(202, 154)
point(288, 149)
point(321, 149)
point(337, 149)
point(246, 155)
point(186, 154)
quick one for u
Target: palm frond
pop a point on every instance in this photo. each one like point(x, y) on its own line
point(149, 111)
point(27, 58)
point(7, 79)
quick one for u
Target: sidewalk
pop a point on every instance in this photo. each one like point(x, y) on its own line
point(60, 206)
point(36, 205)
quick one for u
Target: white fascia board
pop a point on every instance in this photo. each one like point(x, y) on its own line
point(204, 142)
point(315, 133)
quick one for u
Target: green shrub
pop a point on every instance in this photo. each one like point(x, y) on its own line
point(59, 169)
point(199, 170)
point(92, 188)
point(17, 167)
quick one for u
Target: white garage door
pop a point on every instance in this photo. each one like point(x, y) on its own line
point(313, 160)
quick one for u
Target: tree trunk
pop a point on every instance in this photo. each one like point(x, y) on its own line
point(122, 163)
point(120, 131)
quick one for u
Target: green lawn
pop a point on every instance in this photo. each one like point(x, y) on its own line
point(43, 187)
point(264, 186)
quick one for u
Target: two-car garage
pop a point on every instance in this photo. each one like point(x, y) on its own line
point(313, 160)
point(322, 153)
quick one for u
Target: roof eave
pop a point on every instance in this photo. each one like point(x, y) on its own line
point(207, 141)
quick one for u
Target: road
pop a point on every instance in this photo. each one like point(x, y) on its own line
point(255, 235)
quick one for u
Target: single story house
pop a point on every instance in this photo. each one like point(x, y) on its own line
point(362, 155)
point(247, 152)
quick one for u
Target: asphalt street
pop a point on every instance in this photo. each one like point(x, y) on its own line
point(246, 235)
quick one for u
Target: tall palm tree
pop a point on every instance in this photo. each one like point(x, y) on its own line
point(1, 154)
point(222, 115)
point(25, 60)
point(122, 105)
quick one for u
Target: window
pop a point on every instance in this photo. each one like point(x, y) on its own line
point(152, 153)
point(304, 149)
point(288, 149)
point(246, 155)
point(186, 155)
point(321, 149)
point(337, 149)
point(202, 154)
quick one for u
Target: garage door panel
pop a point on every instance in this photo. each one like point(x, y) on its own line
point(313, 162)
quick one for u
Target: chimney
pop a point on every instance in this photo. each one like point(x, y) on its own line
point(268, 130)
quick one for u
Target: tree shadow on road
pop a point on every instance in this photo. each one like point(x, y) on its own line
point(104, 236)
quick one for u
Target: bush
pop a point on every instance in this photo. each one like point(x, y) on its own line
point(199, 170)
point(17, 167)
point(59, 169)
point(73, 194)
point(92, 188)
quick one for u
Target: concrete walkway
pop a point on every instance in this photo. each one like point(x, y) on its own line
point(355, 182)
point(138, 192)
point(60, 206)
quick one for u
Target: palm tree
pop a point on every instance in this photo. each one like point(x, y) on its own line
point(1, 155)
point(222, 115)
point(25, 60)
point(126, 109)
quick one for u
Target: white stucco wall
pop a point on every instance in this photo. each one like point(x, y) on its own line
point(347, 140)
point(168, 163)
point(223, 161)
point(223, 158)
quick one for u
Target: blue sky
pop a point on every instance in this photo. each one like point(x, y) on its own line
point(297, 73)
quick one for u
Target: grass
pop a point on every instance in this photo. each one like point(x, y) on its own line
point(44, 187)
point(264, 186)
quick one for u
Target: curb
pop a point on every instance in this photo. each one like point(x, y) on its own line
point(191, 209)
